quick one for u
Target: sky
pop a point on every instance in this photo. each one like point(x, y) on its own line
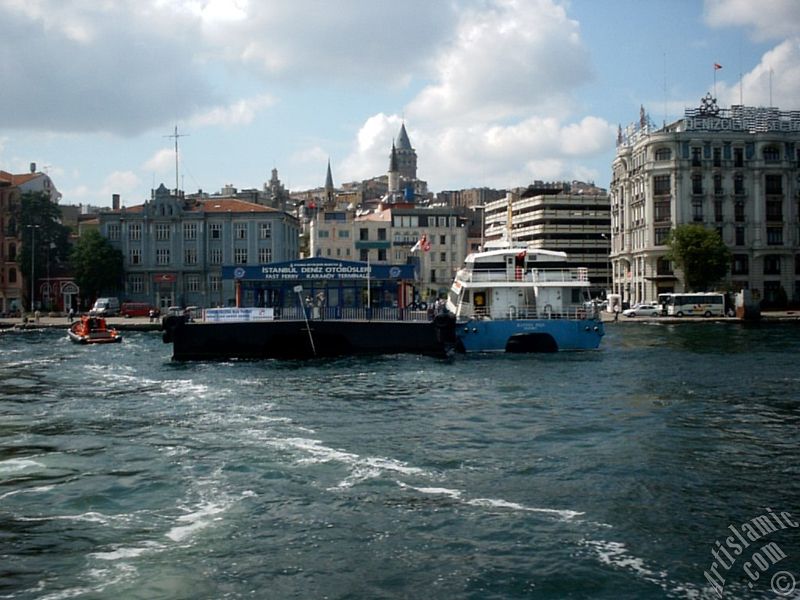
point(493, 93)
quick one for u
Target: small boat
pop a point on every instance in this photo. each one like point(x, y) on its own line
point(512, 298)
point(93, 330)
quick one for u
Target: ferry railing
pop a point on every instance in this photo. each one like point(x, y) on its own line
point(580, 274)
point(572, 313)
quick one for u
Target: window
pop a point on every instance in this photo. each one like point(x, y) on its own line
point(773, 184)
point(738, 212)
point(443, 240)
point(12, 275)
point(382, 233)
point(190, 231)
point(738, 184)
point(661, 185)
point(663, 154)
point(240, 231)
point(162, 256)
point(664, 267)
point(661, 235)
point(135, 256)
point(215, 256)
point(717, 157)
point(662, 210)
point(772, 154)
point(343, 233)
point(135, 284)
point(162, 232)
point(363, 255)
point(697, 211)
point(192, 283)
point(774, 210)
point(323, 234)
point(696, 153)
point(134, 232)
point(718, 211)
point(774, 236)
point(264, 231)
point(240, 256)
point(113, 231)
point(772, 265)
point(190, 256)
point(213, 283)
point(697, 184)
point(382, 254)
point(740, 236)
point(738, 157)
point(740, 264)
point(264, 255)
point(363, 234)
point(215, 230)
point(717, 183)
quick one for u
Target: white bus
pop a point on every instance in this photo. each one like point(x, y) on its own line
point(692, 305)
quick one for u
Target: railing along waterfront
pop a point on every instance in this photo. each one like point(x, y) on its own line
point(572, 313)
point(336, 313)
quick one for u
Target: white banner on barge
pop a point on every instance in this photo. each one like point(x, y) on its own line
point(230, 315)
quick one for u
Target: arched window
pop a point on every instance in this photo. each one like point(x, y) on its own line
point(772, 154)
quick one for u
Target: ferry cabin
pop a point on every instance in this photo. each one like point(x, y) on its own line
point(518, 283)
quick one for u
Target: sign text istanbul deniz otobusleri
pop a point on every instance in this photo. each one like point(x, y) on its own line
point(316, 271)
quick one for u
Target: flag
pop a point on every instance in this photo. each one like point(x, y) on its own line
point(426, 245)
point(717, 66)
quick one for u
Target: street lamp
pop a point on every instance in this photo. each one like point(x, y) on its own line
point(33, 229)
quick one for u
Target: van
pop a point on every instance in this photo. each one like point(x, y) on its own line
point(105, 307)
point(135, 309)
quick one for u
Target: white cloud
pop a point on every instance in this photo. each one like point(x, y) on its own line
point(241, 112)
point(124, 183)
point(161, 161)
point(770, 20)
point(775, 78)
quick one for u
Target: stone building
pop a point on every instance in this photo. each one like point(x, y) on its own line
point(734, 170)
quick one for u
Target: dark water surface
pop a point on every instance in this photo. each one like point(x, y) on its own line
point(608, 474)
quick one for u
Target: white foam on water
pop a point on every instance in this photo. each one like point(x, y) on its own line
point(14, 465)
point(566, 515)
point(33, 490)
point(131, 552)
point(88, 517)
point(201, 518)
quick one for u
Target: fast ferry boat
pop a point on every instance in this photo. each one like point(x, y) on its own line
point(93, 330)
point(520, 299)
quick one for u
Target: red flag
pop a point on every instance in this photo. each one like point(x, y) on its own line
point(426, 245)
point(717, 66)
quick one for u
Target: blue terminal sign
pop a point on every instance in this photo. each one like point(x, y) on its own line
point(318, 269)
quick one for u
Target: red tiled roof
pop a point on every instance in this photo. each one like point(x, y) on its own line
point(18, 179)
point(215, 206)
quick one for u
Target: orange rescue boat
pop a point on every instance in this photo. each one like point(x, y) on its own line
point(93, 330)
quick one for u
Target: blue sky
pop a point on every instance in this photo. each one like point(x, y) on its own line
point(493, 92)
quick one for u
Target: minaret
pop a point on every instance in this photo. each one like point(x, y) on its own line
point(330, 195)
point(394, 174)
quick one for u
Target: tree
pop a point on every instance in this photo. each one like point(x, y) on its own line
point(44, 239)
point(96, 265)
point(700, 253)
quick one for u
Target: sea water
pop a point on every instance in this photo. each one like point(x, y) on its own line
point(617, 473)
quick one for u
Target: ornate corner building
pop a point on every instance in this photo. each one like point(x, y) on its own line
point(734, 170)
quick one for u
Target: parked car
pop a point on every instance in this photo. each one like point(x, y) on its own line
point(643, 310)
point(135, 309)
point(105, 307)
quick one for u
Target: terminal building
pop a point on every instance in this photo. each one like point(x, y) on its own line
point(734, 170)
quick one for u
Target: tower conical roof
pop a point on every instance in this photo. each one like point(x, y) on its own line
point(329, 177)
point(403, 142)
point(393, 160)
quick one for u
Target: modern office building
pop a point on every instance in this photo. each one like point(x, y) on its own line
point(174, 248)
point(572, 217)
point(734, 170)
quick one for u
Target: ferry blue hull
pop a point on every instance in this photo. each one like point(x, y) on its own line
point(529, 335)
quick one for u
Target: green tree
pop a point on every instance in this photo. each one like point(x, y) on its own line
point(700, 254)
point(45, 241)
point(96, 265)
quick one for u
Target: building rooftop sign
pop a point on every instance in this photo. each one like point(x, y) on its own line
point(709, 117)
